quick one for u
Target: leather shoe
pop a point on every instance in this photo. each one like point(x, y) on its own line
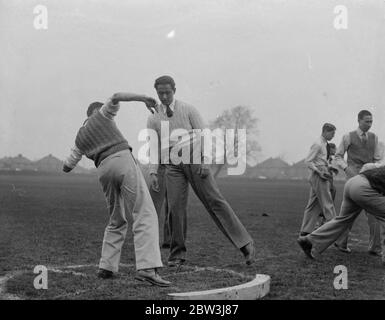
point(343, 249)
point(306, 246)
point(151, 276)
point(375, 253)
point(177, 263)
point(105, 274)
point(249, 252)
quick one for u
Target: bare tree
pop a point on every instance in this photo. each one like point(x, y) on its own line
point(239, 117)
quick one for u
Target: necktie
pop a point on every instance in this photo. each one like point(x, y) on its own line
point(327, 151)
point(364, 138)
point(169, 112)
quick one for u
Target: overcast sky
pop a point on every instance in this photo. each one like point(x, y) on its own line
point(284, 59)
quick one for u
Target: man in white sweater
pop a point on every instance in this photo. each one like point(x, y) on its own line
point(179, 115)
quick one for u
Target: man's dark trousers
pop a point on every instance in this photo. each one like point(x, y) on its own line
point(177, 179)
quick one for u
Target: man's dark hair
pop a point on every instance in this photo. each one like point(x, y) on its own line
point(363, 113)
point(328, 127)
point(93, 106)
point(332, 145)
point(165, 80)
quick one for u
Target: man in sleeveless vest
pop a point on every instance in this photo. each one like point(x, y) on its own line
point(180, 115)
point(320, 179)
point(124, 187)
point(361, 147)
point(365, 191)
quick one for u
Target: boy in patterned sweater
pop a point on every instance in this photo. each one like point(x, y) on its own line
point(124, 187)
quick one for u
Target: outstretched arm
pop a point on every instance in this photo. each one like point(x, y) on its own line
point(72, 159)
point(112, 106)
point(126, 96)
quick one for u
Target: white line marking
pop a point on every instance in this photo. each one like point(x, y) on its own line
point(69, 271)
point(59, 269)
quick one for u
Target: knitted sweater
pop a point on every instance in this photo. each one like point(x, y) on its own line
point(99, 138)
point(185, 116)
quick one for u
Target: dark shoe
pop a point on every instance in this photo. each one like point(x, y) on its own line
point(375, 253)
point(342, 249)
point(165, 246)
point(303, 234)
point(151, 276)
point(177, 263)
point(306, 246)
point(105, 274)
point(249, 252)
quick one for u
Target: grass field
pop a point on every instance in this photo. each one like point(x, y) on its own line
point(58, 221)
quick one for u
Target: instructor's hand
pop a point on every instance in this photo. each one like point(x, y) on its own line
point(154, 182)
point(151, 104)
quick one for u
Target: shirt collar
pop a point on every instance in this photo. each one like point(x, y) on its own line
point(172, 106)
point(360, 132)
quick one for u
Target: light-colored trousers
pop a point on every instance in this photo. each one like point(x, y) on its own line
point(320, 202)
point(178, 178)
point(126, 193)
point(374, 228)
point(160, 204)
point(358, 196)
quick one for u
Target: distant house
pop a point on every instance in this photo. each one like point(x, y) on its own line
point(272, 168)
point(46, 164)
point(17, 163)
point(52, 164)
point(4, 164)
point(49, 163)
